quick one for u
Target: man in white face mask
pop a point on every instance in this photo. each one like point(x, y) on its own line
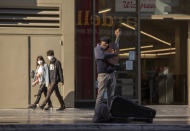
point(50, 57)
point(56, 76)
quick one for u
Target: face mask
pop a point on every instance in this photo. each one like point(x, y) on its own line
point(165, 72)
point(40, 62)
point(50, 57)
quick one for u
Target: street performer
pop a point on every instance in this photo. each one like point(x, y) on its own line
point(106, 56)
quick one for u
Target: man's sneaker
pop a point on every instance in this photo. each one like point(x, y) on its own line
point(41, 107)
point(32, 106)
point(61, 108)
point(49, 107)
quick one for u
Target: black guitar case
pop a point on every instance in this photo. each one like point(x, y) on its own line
point(122, 108)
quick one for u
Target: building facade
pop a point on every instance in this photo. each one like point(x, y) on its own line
point(72, 28)
point(28, 29)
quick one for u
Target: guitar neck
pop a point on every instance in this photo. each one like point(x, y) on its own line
point(116, 49)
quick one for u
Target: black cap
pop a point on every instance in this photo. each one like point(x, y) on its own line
point(105, 39)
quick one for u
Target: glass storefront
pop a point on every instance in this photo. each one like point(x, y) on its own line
point(126, 78)
point(164, 65)
point(164, 32)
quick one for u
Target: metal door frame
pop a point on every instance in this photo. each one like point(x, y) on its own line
point(138, 73)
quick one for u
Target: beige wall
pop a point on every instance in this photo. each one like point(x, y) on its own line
point(14, 46)
point(13, 71)
point(39, 46)
point(69, 51)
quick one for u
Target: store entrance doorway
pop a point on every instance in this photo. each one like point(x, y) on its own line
point(164, 61)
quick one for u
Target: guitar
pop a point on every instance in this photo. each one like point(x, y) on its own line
point(114, 60)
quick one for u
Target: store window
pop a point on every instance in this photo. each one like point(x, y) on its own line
point(163, 48)
point(107, 20)
point(164, 65)
point(112, 19)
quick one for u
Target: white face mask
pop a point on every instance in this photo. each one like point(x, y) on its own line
point(165, 72)
point(40, 62)
point(50, 57)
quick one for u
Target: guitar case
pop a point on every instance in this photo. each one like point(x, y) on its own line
point(124, 109)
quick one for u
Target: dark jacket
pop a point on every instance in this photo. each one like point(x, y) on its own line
point(101, 56)
point(56, 72)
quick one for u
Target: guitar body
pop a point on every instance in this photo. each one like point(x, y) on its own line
point(114, 60)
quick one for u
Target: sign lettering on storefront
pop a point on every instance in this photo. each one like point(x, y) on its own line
point(84, 18)
point(130, 5)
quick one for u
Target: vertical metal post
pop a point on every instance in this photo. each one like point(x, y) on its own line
point(29, 69)
point(188, 65)
point(93, 45)
point(138, 51)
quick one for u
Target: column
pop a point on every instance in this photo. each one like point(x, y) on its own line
point(69, 51)
point(188, 63)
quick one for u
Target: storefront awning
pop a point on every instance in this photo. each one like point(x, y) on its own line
point(171, 16)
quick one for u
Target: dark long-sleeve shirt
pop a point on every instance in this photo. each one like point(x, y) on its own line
point(101, 56)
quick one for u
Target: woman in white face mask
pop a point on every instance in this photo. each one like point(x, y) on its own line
point(41, 78)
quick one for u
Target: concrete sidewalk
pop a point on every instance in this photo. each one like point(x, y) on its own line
point(169, 117)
